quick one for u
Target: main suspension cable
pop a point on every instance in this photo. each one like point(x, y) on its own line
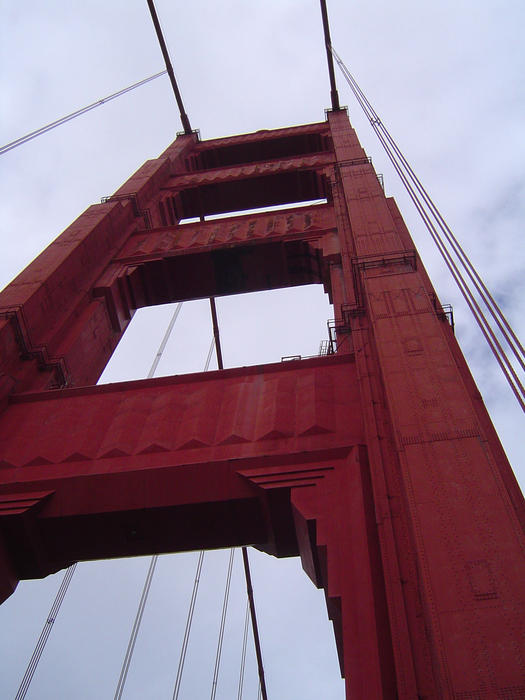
point(430, 214)
point(63, 120)
point(483, 323)
point(44, 635)
point(480, 286)
point(476, 311)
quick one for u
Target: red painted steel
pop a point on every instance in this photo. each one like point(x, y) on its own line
point(378, 466)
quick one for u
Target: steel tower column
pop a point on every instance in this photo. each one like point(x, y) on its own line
point(378, 465)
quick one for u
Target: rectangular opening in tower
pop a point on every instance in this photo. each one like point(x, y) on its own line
point(257, 150)
point(252, 266)
point(251, 188)
point(277, 208)
point(256, 328)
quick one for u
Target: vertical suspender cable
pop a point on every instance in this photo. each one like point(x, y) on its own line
point(50, 620)
point(222, 626)
point(210, 353)
point(153, 561)
point(135, 630)
point(164, 342)
point(243, 652)
point(191, 609)
point(187, 630)
point(245, 560)
point(46, 631)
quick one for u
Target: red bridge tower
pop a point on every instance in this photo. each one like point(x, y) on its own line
point(377, 464)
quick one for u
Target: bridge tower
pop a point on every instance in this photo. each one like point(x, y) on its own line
point(377, 463)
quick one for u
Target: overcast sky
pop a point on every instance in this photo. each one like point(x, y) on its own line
point(446, 78)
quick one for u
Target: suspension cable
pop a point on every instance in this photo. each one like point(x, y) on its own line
point(482, 321)
point(44, 635)
point(480, 286)
point(460, 281)
point(210, 353)
point(187, 629)
point(243, 652)
point(135, 629)
point(245, 560)
point(191, 609)
point(73, 115)
point(378, 125)
point(222, 625)
point(164, 342)
point(153, 561)
point(430, 214)
point(50, 620)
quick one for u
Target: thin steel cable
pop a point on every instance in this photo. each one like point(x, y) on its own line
point(210, 353)
point(165, 339)
point(374, 118)
point(187, 630)
point(243, 652)
point(222, 625)
point(136, 627)
point(489, 301)
point(399, 161)
point(44, 635)
point(50, 620)
point(153, 561)
point(189, 620)
point(480, 286)
point(245, 560)
point(63, 120)
point(484, 325)
point(465, 262)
